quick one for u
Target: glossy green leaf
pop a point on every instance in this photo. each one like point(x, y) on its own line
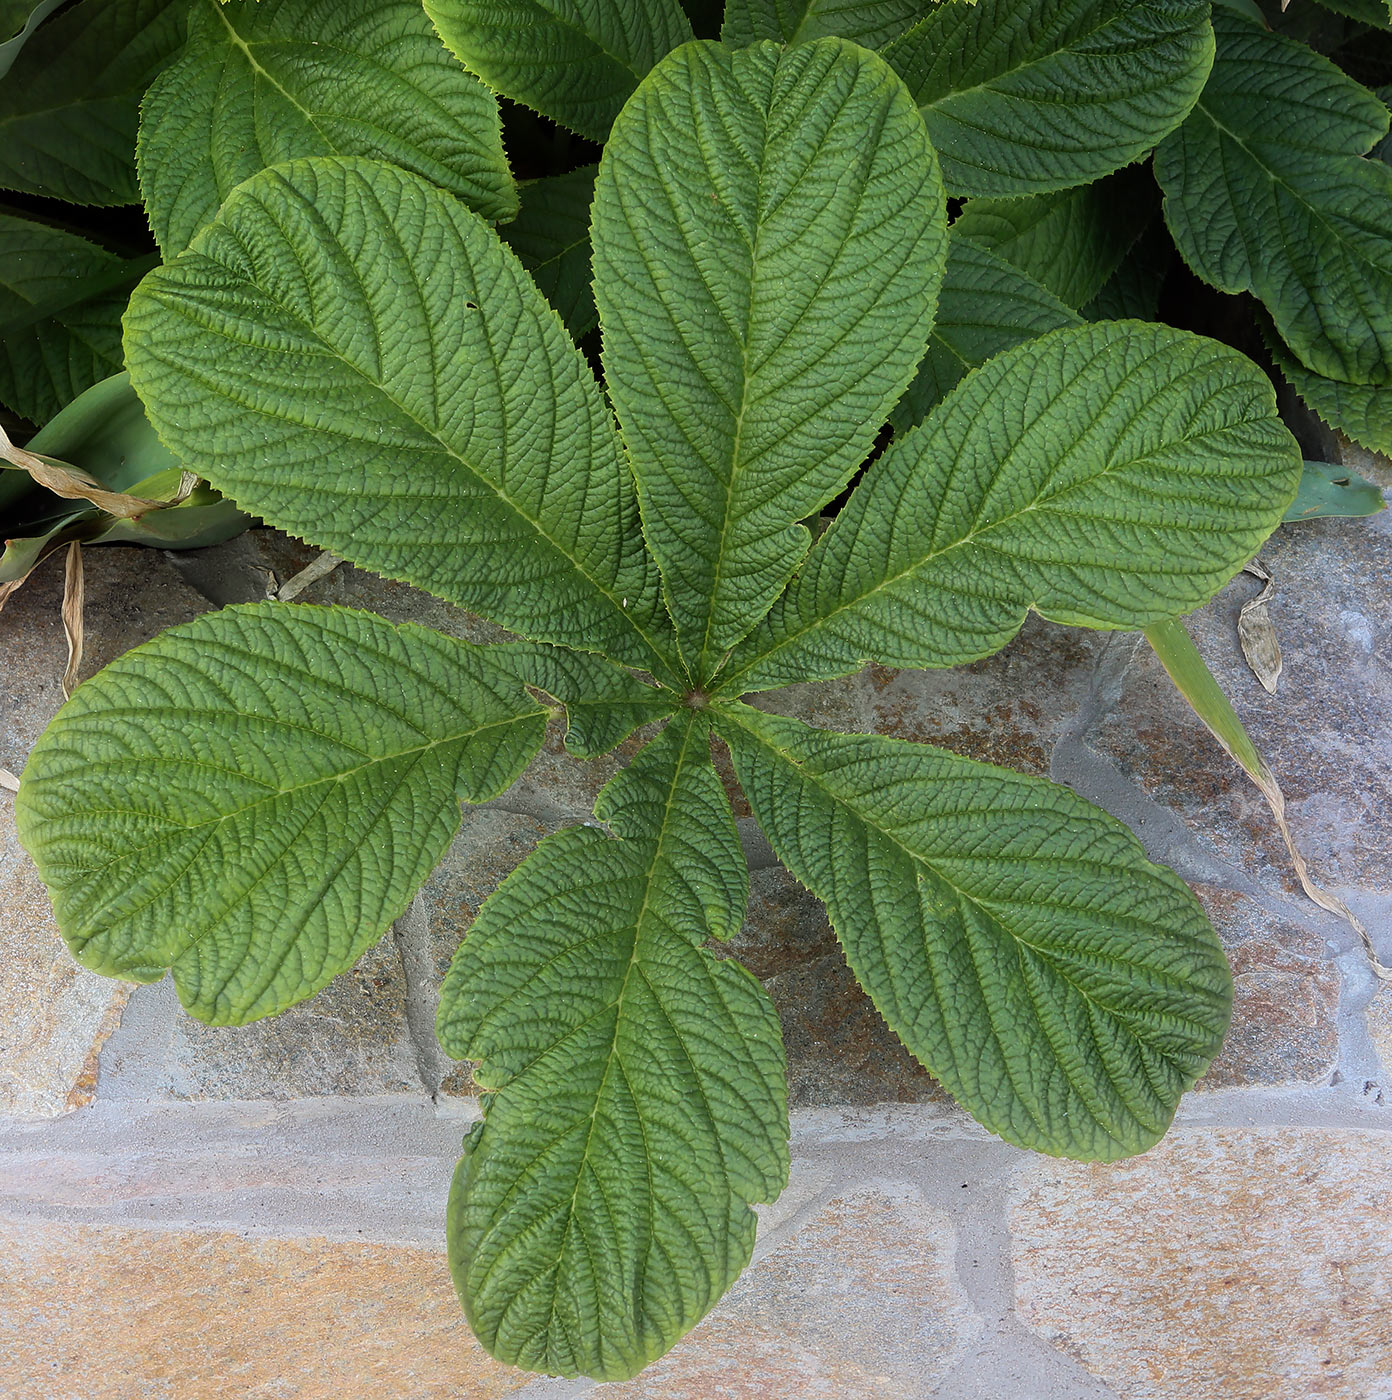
point(638, 1100)
point(551, 237)
point(264, 81)
point(61, 299)
point(1362, 411)
point(253, 797)
point(872, 24)
point(765, 278)
point(1024, 96)
point(1071, 241)
point(1266, 191)
point(351, 354)
point(986, 305)
point(1103, 475)
point(576, 61)
point(1327, 489)
point(68, 129)
point(1014, 937)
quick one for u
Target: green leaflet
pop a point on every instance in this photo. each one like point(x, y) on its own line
point(61, 299)
point(575, 61)
point(1265, 192)
point(1016, 939)
point(872, 24)
point(250, 799)
point(1071, 241)
point(986, 305)
point(264, 81)
point(1363, 411)
point(68, 128)
point(765, 278)
point(640, 1104)
point(1104, 475)
point(1023, 96)
point(551, 237)
point(352, 354)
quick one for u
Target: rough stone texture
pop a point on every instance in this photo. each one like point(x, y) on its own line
point(1222, 1265)
point(110, 1313)
point(862, 1303)
point(1379, 1020)
point(1285, 997)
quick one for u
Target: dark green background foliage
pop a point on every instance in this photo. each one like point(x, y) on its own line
point(706, 352)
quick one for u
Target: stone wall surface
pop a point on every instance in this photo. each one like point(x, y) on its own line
point(194, 1212)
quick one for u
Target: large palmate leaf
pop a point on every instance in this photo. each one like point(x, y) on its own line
point(551, 237)
point(61, 299)
point(986, 306)
point(1015, 937)
point(351, 354)
point(575, 61)
point(797, 21)
point(252, 798)
point(264, 81)
point(1266, 191)
point(1071, 241)
point(765, 278)
point(603, 1206)
point(1022, 96)
point(1104, 475)
point(68, 128)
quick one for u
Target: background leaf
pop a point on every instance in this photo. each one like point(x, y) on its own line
point(1103, 475)
point(352, 354)
point(872, 24)
point(68, 129)
point(1015, 937)
point(640, 1099)
point(18, 20)
point(765, 278)
point(575, 61)
point(1362, 411)
point(551, 237)
point(1023, 96)
point(253, 797)
point(1265, 192)
point(264, 81)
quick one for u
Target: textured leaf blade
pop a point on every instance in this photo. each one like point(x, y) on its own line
point(986, 305)
point(1266, 191)
point(551, 237)
point(1016, 939)
point(765, 278)
point(350, 353)
point(265, 81)
point(1103, 475)
point(61, 299)
point(1024, 96)
point(640, 1098)
point(1362, 411)
point(576, 61)
point(68, 129)
point(253, 797)
point(800, 21)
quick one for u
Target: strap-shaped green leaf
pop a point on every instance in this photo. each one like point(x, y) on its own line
point(68, 119)
point(1266, 192)
point(765, 277)
point(575, 61)
point(1104, 475)
point(872, 24)
point(640, 1102)
point(352, 354)
point(1015, 937)
point(551, 237)
point(986, 305)
point(1022, 96)
point(252, 798)
point(61, 300)
point(264, 81)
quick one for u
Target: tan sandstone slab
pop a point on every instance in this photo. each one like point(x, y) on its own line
point(862, 1303)
point(1224, 1264)
point(110, 1313)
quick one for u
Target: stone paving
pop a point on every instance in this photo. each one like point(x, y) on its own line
point(196, 1213)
